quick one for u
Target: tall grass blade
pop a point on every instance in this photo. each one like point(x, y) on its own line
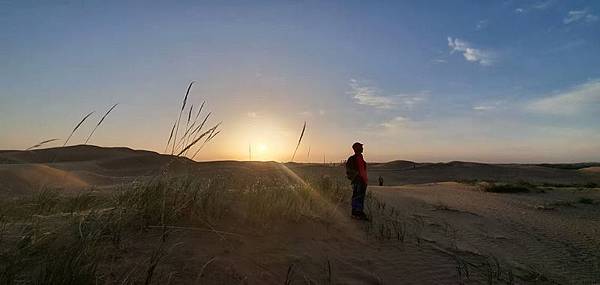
point(210, 137)
point(41, 144)
point(187, 131)
point(198, 128)
point(170, 137)
point(299, 141)
point(100, 122)
point(77, 127)
point(194, 142)
point(184, 138)
point(187, 93)
point(187, 123)
point(308, 154)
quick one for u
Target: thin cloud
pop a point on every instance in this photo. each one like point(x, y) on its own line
point(578, 100)
point(580, 16)
point(483, 108)
point(395, 122)
point(542, 5)
point(481, 25)
point(470, 53)
point(370, 96)
point(252, 115)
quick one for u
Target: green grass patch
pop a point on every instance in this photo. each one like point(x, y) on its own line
point(506, 187)
point(584, 200)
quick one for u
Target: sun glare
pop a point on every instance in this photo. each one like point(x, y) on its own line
point(263, 148)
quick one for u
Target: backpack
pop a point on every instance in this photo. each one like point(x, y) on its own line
point(351, 168)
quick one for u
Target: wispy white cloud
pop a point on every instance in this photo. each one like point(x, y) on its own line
point(484, 108)
point(371, 96)
point(368, 95)
point(395, 122)
point(252, 115)
point(481, 25)
point(580, 16)
point(410, 100)
point(470, 53)
point(439, 60)
point(582, 98)
point(542, 4)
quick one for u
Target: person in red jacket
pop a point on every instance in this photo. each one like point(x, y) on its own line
point(356, 169)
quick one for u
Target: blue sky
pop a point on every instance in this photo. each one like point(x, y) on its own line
point(424, 80)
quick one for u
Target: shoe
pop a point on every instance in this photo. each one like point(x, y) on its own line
point(356, 214)
point(359, 215)
point(363, 216)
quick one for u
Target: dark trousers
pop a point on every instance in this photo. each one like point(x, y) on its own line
point(359, 190)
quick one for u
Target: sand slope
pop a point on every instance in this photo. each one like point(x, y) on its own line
point(405, 172)
point(546, 232)
point(76, 168)
point(81, 167)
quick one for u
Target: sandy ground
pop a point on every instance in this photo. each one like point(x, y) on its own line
point(549, 232)
point(459, 225)
point(454, 232)
point(593, 169)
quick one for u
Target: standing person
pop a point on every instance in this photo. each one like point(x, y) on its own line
point(380, 180)
point(356, 171)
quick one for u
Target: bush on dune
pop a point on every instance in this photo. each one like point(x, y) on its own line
point(506, 187)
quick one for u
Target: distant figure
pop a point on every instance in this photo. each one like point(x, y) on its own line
point(356, 171)
point(380, 180)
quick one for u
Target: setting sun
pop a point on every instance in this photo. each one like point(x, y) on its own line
point(263, 148)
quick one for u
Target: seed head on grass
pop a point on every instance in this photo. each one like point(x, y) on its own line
point(100, 122)
point(208, 132)
point(187, 93)
point(299, 141)
point(77, 127)
point(41, 144)
point(210, 137)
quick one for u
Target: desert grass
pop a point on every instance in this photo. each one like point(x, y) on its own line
point(506, 187)
point(100, 122)
point(77, 127)
point(299, 141)
point(53, 238)
point(193, 131)
point(584, 200)
point(175, 128)
point(41, 144)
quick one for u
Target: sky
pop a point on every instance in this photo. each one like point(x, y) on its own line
point(490, 81)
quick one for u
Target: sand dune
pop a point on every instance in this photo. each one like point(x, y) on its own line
point(405, 172)
point(84, 166)
point(455, 233)
point(593, 169)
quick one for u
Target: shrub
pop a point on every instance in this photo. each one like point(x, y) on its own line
point(505, 188)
